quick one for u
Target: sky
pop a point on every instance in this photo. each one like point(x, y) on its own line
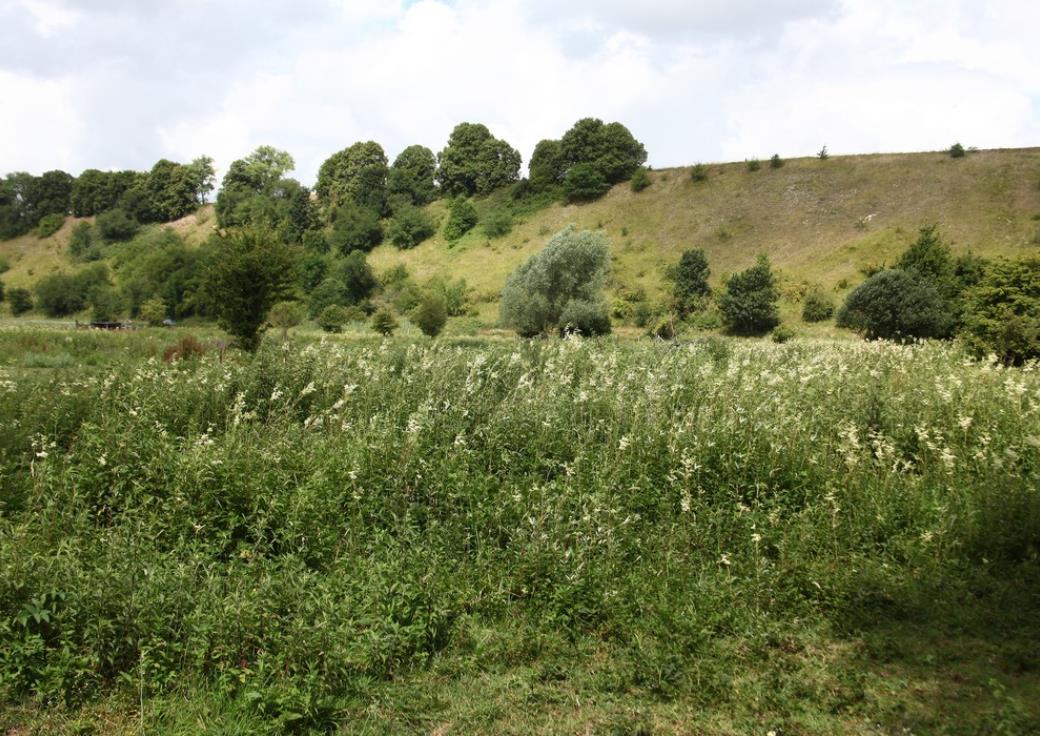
point(116, 84)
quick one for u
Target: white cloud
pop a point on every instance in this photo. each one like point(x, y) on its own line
point(39, 128)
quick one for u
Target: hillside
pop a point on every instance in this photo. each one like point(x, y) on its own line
point(819, 221)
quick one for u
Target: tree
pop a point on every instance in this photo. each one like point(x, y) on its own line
point(895, 305)
point(610, 148)
point(107, 304)
point(748, 303)
point(818, 307)
point(256, 193)
point(357, 175)
point(356, 277)
point(584, 183)
point(776, 162)
point(20, 301)
point(956, 151)
point(285, 315)
point(412, 176)
point(384, 323)
point(497, 223)
point(462, 217)
point(548, 165)
point(690, 280)
point(203, 176)
point(60, 295)
point(332, 318)
point(431, 315)
point(153, 312)
point(48, 225)
point(410, 226)
point(640, 179)
point(48, 194)
point(1002, 312)
point(355, 228)
point(573, 266)
point(116, 224)
point(251, 271)
point(475, 162)
point(172, 190)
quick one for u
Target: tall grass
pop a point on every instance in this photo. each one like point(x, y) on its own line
point(295, 531)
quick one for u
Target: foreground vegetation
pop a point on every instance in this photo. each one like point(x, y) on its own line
point(382, 536)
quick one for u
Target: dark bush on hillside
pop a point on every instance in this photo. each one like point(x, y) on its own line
point(315, 241)
point(1002, 312)
point(384, 322)
point(355, 228)
point(699, 173)
point(587, 318)
point(412, 175)
point(572, 267)
point(640, 180)
point(153, 312)
point(690, 280)
point(895, 305)
point(781, 334)
point(475, 162)
point(585, 183)
point(455, 294)
point(356, 175)
point(332, 318)
point(748, 303)
point(754, 165)
point(19, 300)
point(116, 224)
point(497, 223)
point(313, 270)
point(956, 151)
point(817, 307)
point(48, 225)
point(776, 162)
point(431, 314)
point(60, 295)
point(411, 225)
point(106, 304)
point(83, 244)
point(462, 217)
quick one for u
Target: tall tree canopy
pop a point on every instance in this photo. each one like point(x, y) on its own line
point(608, 149)
point(255, 192)
point(412, 176)
point(357, 175)
point(475, 162)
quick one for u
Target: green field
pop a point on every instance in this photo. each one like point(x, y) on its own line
point(467, 536)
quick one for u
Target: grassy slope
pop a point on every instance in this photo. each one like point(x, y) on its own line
point(820, 221)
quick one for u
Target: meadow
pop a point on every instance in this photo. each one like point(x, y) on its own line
point(368, 536)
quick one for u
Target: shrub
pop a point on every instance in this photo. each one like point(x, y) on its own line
point(285, 315)
point(497, 223)
point(956, 151)
point(49, 224)
point(116, 224)
point(572, 266)
point(153, 312)
point(817, 307)
point(754, 165)
point(60, 295)
point(431, 315)
point(332, 318)
point(690, 280)
point(384, 322)
point(411, 225)
point(585, 183)
point(475, 162)
point(823, 155)
point(895, 305)
point(455, 294)
point(587, 318)
point(462, 217)
point(664, 328)
point(748, 303)
point(315, 241)
point(355, 227)
point(82, 245)
point(640, 179)
point(776, 162)
point(781, 334)
point(699, 173)
point(1002, 312)
point(19, 300)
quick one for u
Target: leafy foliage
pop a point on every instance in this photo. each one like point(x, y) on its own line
point(818, 307)
point(573, 266)
point(690, 280)
point(355, 228)
point(48, 225)
point(640, 180)
point(116, 224)
point(153, 311)
point(61, 295)
point(956, 151)
point(699, 173)
point(776, 162)
point(475, 162)
point(1003, 312)
point(431, 315)
point(285, 315)
point(411, 225)
point(462, 217)
point(748, 303)
point(412, 176)
point(896, 305)
point(19, 300)
point(497, 223)
point(585, 182)
point(384, 322)
point(332, 318)
point(250, 272)
point(355, 176)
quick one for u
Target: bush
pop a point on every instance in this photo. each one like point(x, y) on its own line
point(690, 280)
point(640, 179)
point(956, 151)
point(48, 225)
point(106, 304)
point(781, 334)
point(754, 165)
point(462, 217)
point(332, 318)
point(748, 303)
point(572, 266)
point(355, 228)
point(584, 183)
point(19, 300)
point(60, 295)
point(1002, 312)
point(664, 328)
point(823, 154)
point(153, 312)
point(586, 318)
point(285, 315)
point(82, 243)
point(818, 307)
point(497, 223)
point(699, 173)
point(431, 315)
point(454, 293)
point(776, 162)
point(895, 305)
point(383, 322)
point(117, 224)
point(315, 241)
point(411, 225)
